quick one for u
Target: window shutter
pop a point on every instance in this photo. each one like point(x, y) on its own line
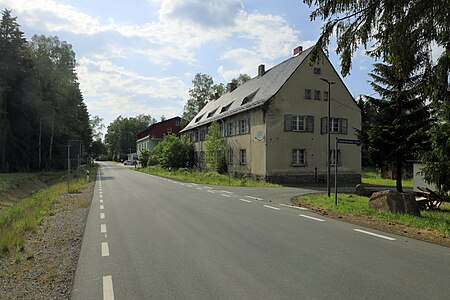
point(323, 125)
point(309, 123)
point(287, 122)
point(344, 126)
point(293, 157)
point(248, 125)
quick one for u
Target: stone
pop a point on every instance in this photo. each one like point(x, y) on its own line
point(361, 190)
point(394, 202)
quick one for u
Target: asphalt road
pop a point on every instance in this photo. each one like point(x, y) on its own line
point(152, 238)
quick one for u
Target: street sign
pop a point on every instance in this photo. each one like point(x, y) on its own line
point(349, 142)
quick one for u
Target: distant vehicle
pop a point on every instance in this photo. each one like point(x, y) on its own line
point(130, 162)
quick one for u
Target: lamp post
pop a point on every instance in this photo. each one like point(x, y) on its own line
point(328, 132)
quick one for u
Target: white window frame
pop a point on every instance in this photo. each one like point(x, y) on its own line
point(298, 123)
point(177, 123)
point(298, 157)
point(307, 93)
point(169, 130)
point(244, 126)
point(230, 156)
point(332, 157)
point(230, 129)
point(335, 126)
point(243, 156)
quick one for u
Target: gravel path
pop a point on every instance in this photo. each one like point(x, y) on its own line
point(46, 267)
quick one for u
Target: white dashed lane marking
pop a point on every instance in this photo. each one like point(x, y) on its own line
point(225, 195)
point(245, 200)
point(105, 249)
point(103, 228)
point(296, 207)
point(271, 207)
point(102, 207)
point(254, 198)
point(374, 234)
point(312, 218)
point(102, 215)
point(108, 291)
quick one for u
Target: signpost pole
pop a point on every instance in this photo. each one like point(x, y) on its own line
point(335, 170)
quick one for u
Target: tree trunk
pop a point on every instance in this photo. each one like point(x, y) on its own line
point(51, 142)
point(398, 177)
point(3, 130)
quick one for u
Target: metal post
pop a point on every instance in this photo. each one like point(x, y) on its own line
point(68, 169)
point(335, 170)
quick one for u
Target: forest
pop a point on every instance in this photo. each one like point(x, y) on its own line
point(41, 104)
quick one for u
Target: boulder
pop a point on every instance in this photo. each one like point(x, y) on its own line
point(361, 190)
point(394, 202)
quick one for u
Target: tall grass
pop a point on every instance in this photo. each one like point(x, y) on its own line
point(24, 216)
point(212, 178)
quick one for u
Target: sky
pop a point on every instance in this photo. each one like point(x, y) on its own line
point(139, 57)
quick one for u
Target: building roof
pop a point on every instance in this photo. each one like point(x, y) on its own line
point(147, 131)
point(253, 93)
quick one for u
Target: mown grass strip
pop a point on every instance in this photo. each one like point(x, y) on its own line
point(438, 220)
point(24, 216)
point(212, 178)
point(373, 176)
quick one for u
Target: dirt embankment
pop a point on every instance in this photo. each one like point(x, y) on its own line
point(45, 269)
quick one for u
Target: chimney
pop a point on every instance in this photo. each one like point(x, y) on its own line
point(261, 70)
point(216, 96)
point(297, 51)
point(232, 86)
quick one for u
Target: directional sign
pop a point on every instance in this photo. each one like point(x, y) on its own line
point(350, 142)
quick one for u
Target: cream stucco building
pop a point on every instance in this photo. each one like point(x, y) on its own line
point(275, 125)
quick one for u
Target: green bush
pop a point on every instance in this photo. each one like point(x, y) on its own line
point(175, 152)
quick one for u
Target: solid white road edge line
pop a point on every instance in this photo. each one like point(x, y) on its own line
point(105, 249)
point(374, 234)
point(108, 291)
point(103, 228)
point(296, 207)
point(312, 218)
point(245, 200)
point(271, 207)
point(102, 215)
point(225, 195)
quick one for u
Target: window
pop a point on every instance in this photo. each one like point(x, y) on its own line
point(337, 125)
point(298, 157)
point(243, 156)
point(307, 94)
point(226, 107)
point(244, 126)
point(202, 134)
point(298, 123)
point(230, 156)
point(169, 130)
point(325, 95)
point(198, 119)
point(317, 71)
point(230, 129)
point(210, 114)
point(195, 136)
point(333, 157)
point(317, 95)
point(177, 123)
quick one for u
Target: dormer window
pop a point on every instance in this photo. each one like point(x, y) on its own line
point(198, 119)
point(225, 108)
point(211, 113)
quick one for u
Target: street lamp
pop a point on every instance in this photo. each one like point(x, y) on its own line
point(328, 132)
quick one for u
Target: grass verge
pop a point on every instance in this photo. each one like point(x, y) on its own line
point(355, 207)
point(213, 178)
point(373, 176)
point(18, 220)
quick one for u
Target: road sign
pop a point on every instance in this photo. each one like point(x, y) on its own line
point(349, 142)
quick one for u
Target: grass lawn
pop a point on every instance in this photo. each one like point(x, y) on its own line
point(22, 217)
point(350, 204)
point(373, 176)
point(205, 177)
